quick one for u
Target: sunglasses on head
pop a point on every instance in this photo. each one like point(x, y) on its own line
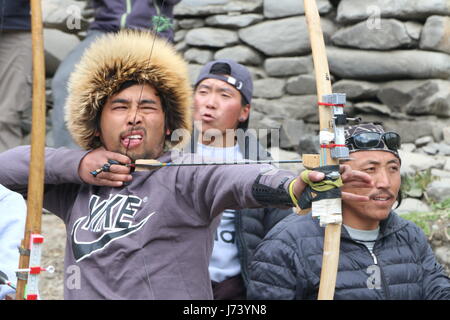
point(370, 140)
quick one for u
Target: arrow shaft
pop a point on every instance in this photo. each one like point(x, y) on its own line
point(190, 164)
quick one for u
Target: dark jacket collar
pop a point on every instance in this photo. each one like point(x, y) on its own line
point(391, 224)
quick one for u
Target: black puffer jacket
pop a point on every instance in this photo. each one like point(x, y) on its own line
point(251, 227)
point(287, 264)
point(15, 15)
point(251, 224)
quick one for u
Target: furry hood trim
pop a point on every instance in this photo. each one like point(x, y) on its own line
point(115, 59)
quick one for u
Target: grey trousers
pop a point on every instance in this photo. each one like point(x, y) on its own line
point(61, 135)
point(15, 87)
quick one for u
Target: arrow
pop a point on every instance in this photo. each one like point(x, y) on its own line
point(142, 164)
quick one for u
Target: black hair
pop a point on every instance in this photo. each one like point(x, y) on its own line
point(127, 84)
point(399, 198)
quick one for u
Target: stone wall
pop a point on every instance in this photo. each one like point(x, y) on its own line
point(391, 58)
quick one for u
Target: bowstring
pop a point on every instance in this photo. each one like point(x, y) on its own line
point(154, 32)
point(156, 24)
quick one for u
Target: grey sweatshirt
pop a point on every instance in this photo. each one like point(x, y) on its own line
point(151, 239)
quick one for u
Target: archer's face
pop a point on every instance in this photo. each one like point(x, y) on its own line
point(218, 105)
point(132, 123)
point(384, 168)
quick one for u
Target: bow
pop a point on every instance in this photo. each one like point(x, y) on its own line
point(37, 168)
point(328, 118)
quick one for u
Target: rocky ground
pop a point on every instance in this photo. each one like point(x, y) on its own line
point(54, 231)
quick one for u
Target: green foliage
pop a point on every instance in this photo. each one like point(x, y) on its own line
point(442, 206)
point(422, 219)
point(416, 185)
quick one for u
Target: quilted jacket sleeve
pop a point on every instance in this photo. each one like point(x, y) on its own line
point(274, 215)
point(276, 272)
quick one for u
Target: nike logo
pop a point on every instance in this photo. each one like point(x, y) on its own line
point(82, 250)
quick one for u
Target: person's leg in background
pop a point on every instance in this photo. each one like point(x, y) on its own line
point(61, 135)
point(15, 87)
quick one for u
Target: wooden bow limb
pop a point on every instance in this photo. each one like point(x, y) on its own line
point(36, 175)
point(332, 231)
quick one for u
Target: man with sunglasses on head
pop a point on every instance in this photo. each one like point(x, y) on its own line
point(382, 256)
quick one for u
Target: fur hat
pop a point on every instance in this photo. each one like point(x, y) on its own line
point(115, 59)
